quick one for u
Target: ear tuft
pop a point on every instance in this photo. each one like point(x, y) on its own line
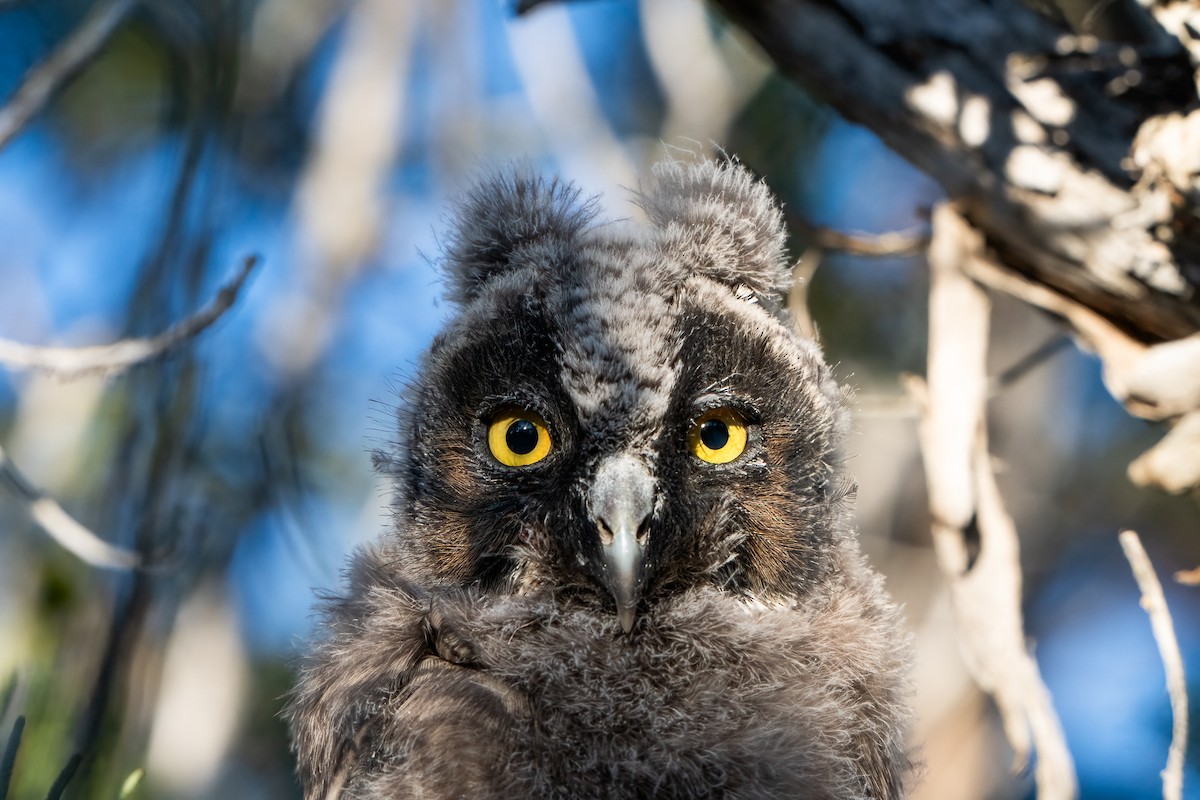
point(723, 223)
point(511, 220)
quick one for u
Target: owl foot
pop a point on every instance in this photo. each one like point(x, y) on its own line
point(444, 638)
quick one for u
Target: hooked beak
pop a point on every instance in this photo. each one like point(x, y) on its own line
point(622, 499)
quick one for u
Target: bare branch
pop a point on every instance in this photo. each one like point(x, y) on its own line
point(10, 755)
point(360, 125)
point(61, 526)
point(45, 79)
point(908, 405)
point(340, 197)
point(1116, 349)
point(958, 384)
point(797, 300)
point(1021, 696)
point(110, 359)
point(700, 92)
point(1030, 361)
point(1174, 463)
point(988, 100)
point(1167, 378)
point(986, 590)
point(892, 243)
point(68, 772)
point(1154, 382)
point(1168, 647)
point(562, 100)
point(1188, 577)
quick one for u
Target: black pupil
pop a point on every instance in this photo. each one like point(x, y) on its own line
point(521, 437)
point(714, 434)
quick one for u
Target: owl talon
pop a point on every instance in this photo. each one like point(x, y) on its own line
point(445, 640)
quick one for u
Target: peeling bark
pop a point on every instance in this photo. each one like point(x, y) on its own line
point(1070, 155)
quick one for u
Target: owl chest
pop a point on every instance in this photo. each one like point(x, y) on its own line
point(615, 719)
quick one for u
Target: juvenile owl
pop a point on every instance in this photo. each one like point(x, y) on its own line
point(622, 564)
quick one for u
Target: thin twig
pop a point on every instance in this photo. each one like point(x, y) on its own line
point(891, 243)
point(1029, 361)
point(60, 783)
point(1119, 353)
point(10, 756)
point(61, 526)
point(797, 299)
point(110, 359)
point(45, 79)
point(1168, 647)
point(7, 693)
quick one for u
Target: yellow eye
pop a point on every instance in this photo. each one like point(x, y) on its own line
point(518, 438)
point(718, 436)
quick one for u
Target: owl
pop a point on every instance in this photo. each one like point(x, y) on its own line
point(622, 564)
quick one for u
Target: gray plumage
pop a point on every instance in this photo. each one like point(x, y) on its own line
point(667, 599)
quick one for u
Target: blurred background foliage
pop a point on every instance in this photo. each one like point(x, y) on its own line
point(329, 138)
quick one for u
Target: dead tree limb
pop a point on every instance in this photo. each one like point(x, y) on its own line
point(110, 359)
point(889, 243)
point(985, 586)
point(1077, 159)
point(51, 517)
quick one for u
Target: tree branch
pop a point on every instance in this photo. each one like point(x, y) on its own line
point(110, 359)
point(45, 79)
point(1068, 172)
point(1188, 577)
point(1155, 605)
point(891, 243)
point(985, 588)
point(61, 526)
point(797, 300)
point(9, 759)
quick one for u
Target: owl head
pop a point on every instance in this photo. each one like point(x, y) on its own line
point(618, 412)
